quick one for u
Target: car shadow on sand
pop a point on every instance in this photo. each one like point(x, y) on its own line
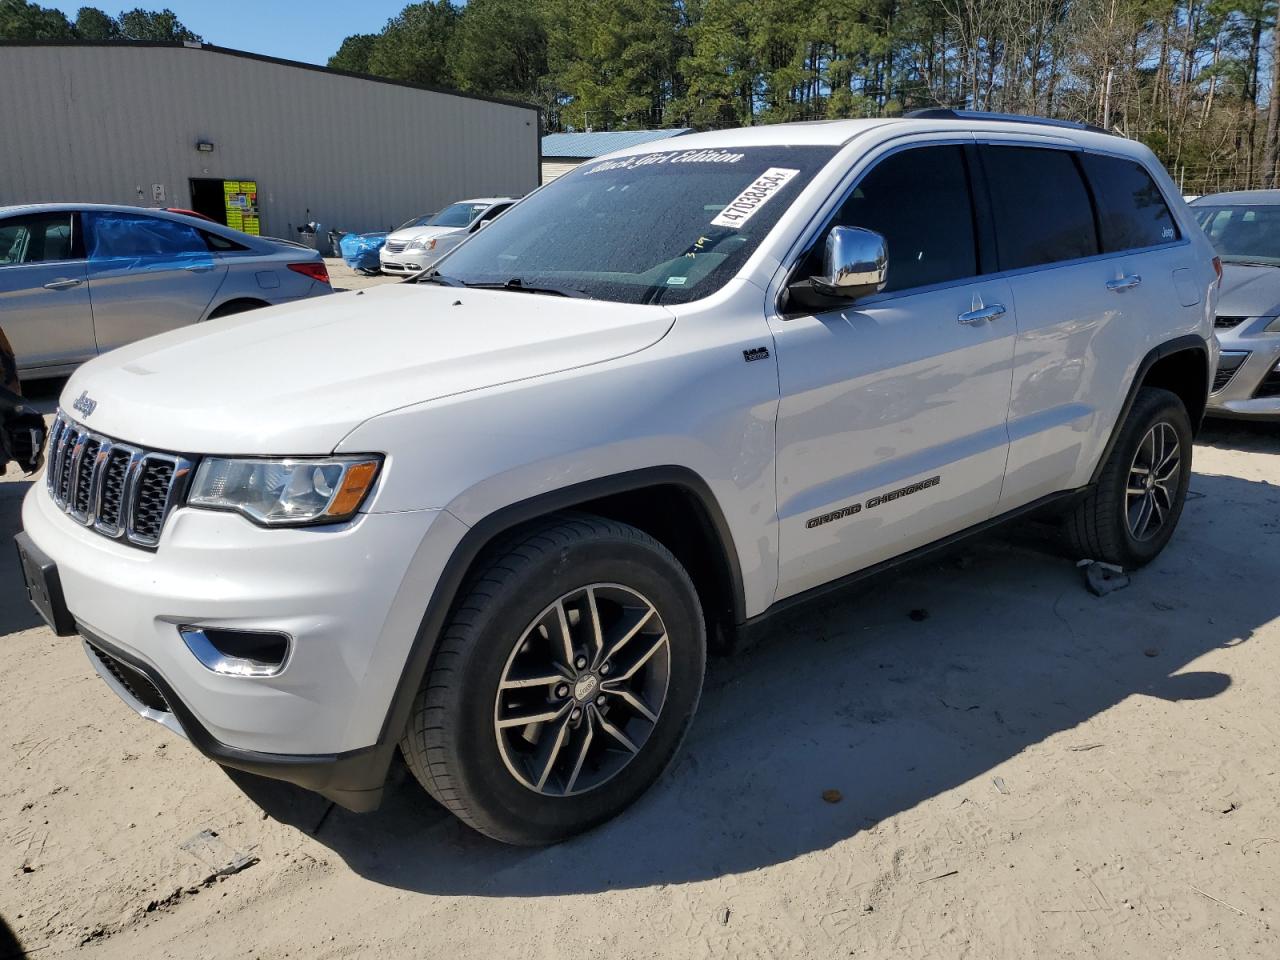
point(890, 694)
point(1247, 436)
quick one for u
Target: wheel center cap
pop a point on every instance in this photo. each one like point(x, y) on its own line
point(1151, 481)
point(585, 687)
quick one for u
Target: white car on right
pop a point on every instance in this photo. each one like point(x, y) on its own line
point(412, 249)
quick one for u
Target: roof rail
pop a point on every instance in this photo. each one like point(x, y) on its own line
point(946, 113)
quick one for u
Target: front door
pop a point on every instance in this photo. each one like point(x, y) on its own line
point(891, 430)
point(44, 296)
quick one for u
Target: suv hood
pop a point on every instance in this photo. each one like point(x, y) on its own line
point(413, 233)
point(297, 378)
point(1249, 291)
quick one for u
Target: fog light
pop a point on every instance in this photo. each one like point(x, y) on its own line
point(238, 653)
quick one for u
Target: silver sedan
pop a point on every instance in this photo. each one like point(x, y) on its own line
point(1245, 228)
point(77, 280)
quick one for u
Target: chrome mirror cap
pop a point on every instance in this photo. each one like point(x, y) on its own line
point(855, 263)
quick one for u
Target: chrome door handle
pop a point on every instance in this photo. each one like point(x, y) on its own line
point(1120, 284)
point(974, 317)
point(198, 267)
point(63, 284)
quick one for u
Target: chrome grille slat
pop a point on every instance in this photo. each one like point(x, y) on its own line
point(120, 491)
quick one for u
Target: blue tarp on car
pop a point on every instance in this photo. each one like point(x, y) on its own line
point(115, 240)
point(360, 250)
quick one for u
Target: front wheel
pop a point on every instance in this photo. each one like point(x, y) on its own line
point(1130, 515)
point(563, 684)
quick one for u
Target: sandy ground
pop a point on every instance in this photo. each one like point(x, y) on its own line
point(342, 277)
point(1028, 771)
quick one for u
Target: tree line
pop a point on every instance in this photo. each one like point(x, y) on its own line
point(1193, 79)
point(20, 20)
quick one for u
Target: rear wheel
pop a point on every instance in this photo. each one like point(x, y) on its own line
point(564, 683)
point(1130, 515)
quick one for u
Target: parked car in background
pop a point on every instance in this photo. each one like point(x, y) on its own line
point(77, 280)
point(412, 249)
point(1245, 229)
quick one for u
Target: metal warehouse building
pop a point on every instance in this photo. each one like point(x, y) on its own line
point(262, 144)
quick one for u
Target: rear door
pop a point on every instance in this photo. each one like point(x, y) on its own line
point(146, 275)
point(44, 299)
point(891, 428)
point(1083, 295)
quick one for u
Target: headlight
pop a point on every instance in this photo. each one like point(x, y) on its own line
point(1273, 326)
point(422, 243)
point(285, 492)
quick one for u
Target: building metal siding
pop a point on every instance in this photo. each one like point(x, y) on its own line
point(557, 167)
point(98, 123)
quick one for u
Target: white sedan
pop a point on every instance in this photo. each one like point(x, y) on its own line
point(412, 249)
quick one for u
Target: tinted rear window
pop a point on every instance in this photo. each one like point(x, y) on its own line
point(1131, 210)
point(1042, 210)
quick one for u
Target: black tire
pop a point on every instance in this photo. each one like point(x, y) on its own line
point(1099, 528)
point(236, 306)
point(452, 744)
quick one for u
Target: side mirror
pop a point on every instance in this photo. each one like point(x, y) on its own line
point(855, 263)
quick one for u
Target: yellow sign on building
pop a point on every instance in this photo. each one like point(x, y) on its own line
point(242, 205)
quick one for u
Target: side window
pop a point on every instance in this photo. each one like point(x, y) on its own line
point(919, 201)
point(218, 243)
point(138, 240)
point(1131, 210)
point(37, 238)
point(1042, 210)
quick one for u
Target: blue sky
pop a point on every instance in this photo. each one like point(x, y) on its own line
point(307, 30)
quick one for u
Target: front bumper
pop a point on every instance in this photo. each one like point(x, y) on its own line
point(405, 262)
point(1253, 389)
point(351, 596)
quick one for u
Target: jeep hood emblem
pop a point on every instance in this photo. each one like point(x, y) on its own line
point(84, 403)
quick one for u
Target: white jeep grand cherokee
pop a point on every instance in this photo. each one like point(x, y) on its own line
point(492, 517)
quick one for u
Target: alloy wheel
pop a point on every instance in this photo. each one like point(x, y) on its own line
point(582, 690)
point(1153, 481)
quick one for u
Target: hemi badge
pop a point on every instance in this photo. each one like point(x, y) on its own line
point(756, 353)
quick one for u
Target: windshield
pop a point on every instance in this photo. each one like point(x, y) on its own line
point(1243, 234)
point(421, 221)
point(458, 214)
point(671, 226)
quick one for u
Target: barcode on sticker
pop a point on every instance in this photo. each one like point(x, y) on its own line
point(744, 206)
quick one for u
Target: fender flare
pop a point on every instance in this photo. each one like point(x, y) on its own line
point(513, 515)
point(1190, 343)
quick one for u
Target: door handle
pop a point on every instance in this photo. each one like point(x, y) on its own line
point(198, 267)
point(1120, 284)
point(975, 317)
point(65, 284)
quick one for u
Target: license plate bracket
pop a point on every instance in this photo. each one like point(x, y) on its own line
point(44, 587)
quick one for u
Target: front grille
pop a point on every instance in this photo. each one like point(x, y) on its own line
point(134, 681)
point(395, 246)
point(1227, 323)
point(120, 491)
point(1270, 386)
point(1228, 363)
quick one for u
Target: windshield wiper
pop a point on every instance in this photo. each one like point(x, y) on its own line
point(435, 276)
point(519, 286)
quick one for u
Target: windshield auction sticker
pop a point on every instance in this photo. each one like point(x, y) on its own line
point(745, 205)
